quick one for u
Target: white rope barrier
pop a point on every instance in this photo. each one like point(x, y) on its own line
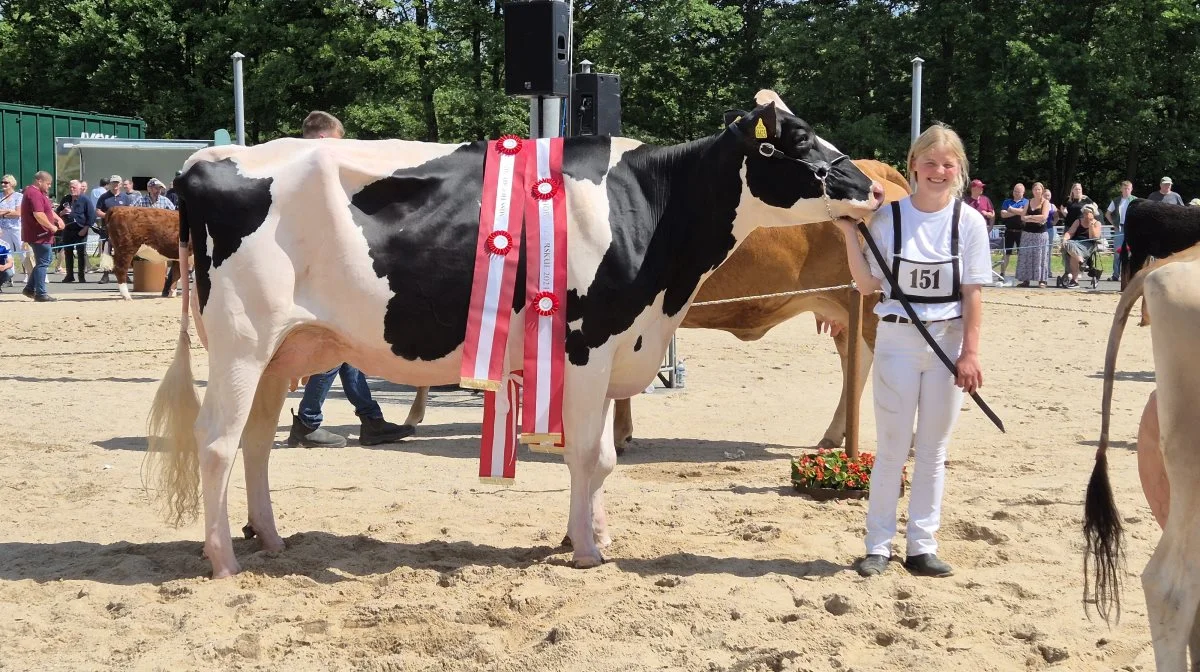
point(775, 295)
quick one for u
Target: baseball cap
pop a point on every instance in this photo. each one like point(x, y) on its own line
point(155, 182)
point(114, 178)
point(1165, 180)
point(977, 183)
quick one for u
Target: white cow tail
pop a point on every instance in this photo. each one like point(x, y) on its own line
point(171, 468)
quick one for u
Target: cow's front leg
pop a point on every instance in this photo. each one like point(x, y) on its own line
point(257, 440)
point(223, 414)
point(584, 416)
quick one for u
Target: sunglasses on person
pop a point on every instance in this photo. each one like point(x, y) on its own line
point(2, 182)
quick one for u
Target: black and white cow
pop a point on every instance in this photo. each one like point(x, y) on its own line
point(646, 225)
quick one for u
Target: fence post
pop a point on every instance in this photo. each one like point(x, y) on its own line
point(851, 389)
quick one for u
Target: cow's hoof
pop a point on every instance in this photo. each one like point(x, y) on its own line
point(588, 560)
point(566, 542)
point(603, 541)
point(829, 443)
point(275, 545)
point(226, 572)
point(248, 531)
point(622, 444)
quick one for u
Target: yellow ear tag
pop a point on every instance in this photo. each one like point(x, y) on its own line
point(760, 130)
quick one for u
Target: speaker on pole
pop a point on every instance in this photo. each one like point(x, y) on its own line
point(595, 103)
point(536, 48)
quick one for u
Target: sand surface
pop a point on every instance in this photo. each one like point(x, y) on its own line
point(399, 559)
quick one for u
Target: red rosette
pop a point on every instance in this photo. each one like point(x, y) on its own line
point(499, 243)
point(509, 145)
point(545, 189)
point(545, 303)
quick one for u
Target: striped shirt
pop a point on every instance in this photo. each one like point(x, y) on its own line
point(163, 203)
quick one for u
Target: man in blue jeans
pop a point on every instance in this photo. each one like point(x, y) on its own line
point(306, 426)
point(39, 223)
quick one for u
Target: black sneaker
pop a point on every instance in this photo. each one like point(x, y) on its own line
point(27, 292)
point(303, 435)
point(44, 298)
point(69, 278)
point(928, 564)
point(872, 565)
point(1072, 284)
point(375, 431)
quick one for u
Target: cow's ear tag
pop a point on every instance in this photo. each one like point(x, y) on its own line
point(760, 130)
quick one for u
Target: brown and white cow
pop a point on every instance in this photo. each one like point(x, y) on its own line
point(1168, 465)
point(646, 226)
point(149, 233)
point(773, 261)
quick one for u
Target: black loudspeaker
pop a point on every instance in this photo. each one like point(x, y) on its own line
point(595, 104)
point(535, 48)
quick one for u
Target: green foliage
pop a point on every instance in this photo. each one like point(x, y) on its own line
point(1094, 91)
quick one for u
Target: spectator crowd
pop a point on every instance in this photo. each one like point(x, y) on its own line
point(1026, 225)
point(36, 234)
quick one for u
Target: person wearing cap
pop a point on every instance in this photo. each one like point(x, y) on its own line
point(154, 197)
point(981, 203)
point(110, 199)
point(1164, 193)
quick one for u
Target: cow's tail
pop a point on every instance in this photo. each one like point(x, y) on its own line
point(1101, 524)
point(172, 466)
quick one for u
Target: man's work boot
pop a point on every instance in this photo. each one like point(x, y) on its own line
point(377, 430)
point(303, 435)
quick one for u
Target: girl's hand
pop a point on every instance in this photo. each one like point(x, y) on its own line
point(970, 374)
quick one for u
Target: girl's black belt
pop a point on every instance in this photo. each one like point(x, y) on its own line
point(904, 320)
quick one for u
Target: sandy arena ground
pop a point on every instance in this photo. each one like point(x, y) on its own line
point(399, 559)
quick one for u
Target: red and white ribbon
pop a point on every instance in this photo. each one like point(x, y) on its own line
point(498, 448)
point(546, 293)
point(500, 220)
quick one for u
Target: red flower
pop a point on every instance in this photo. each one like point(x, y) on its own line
point(509, 144)
point(499, 243)
point(545, 303)
point(545, 189)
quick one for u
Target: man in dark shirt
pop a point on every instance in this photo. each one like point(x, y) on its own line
point(80, 216)
point(108, 200)
point(1164, 193)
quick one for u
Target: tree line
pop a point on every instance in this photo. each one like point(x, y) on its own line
point(1094, 91)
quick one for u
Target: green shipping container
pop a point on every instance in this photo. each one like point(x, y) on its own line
point(27, 136)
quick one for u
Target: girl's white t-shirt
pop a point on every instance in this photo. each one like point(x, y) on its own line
point(926, 235)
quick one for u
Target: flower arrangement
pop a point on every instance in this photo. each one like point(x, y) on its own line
point(834, 470)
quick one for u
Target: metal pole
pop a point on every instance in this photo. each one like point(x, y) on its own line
point(852, 390)
point(239, 105)
point(916, 98)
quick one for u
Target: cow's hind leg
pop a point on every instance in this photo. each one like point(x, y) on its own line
point(416, 412)
point(606, 460)
point(584, 417)
point(1172, 599)
point(227, 402)
point(122, 260)
point(257, 439)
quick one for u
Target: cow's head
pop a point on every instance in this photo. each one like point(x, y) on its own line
point(800, 177)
